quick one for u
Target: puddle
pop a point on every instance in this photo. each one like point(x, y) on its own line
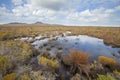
point(91, 45)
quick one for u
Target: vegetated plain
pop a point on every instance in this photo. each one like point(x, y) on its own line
point(19, 60)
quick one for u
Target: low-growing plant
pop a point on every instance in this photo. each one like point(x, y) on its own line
point(16, 48)
point(76, 77)
point(24, 76)
point(78, 61)
point(48, 62)
point(105, 77)
point(79, 58)
point(10, 76)
point(96, 65)
point(36, 75)
point(116, 74)
point(39, 75)
point(107, 61)
point(5, 64)
point(6, 35)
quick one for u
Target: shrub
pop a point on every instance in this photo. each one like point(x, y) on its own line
point(6, 35)
point(79, 58)
point(39, 75)
point(78, 61)
point(105, 77)
point(5, 64)
point(76, 77)
point(107, 61)
point(16, 48)
point(9, 76)
point(116, 74)
point(48, 62)
point(24, 76)
point(36, 75)
point(96, 66)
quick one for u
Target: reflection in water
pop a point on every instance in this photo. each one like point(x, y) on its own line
point(94, 46)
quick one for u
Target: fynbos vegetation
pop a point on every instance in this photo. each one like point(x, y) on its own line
point(20, 59)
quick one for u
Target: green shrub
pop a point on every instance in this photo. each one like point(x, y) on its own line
point(105, 77)
point(37, 75)
point(5, 63)
point(24, 76)
point(6, 35)
point(16, 48)
point(48, 62)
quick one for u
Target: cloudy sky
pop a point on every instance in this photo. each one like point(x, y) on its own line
point(69, 12)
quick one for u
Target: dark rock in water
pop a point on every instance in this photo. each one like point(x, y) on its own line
point(119, 51)
point(60, 47)
point(52, 45)
point(76, 42)
point(48, 48)
point(45, 44)
point(114, 54)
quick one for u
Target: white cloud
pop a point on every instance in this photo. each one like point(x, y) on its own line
point(60, 11)
point(98, 16)
point(49, 4)
point(117, 8)
point(17, 2)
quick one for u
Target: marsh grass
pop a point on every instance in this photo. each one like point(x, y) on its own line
point(34, 30)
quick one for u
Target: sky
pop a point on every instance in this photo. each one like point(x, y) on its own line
point(66, 12)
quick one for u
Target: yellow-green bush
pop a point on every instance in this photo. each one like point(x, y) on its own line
point(37, 76)
point(107, 61)
point(5, 63)
point(105, 77)
point(24, 76)
point(96, 65)
point(9, 76)
point(48, 62)
point(6, 35)
point(16, 48)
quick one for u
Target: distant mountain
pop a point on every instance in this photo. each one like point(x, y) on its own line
point(38, 22)
point(16, 23)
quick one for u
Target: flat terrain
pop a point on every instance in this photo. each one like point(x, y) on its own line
point(111, 35)
point(21, 60)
